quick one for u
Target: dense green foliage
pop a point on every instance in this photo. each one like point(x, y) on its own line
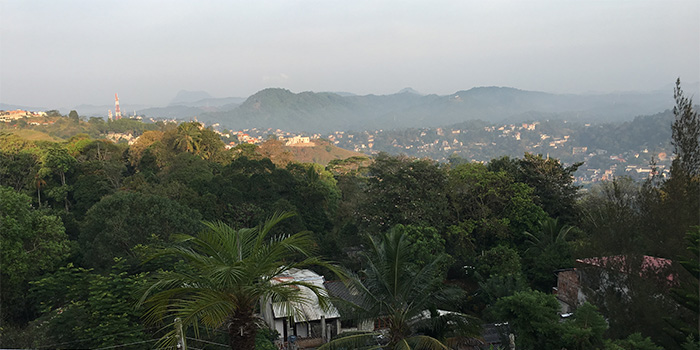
point(78, 217)
point(533, 316)
point(393, 288)
point(229, 272)
point(84, 309)
point(119, 223)
point(33, 242)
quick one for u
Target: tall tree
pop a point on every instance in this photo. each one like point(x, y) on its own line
point(553, 182)
point(687, 293)
point(57, 161)
point(495, 207)
point(686, 133)
point(19, 162)
point(680, 202)
point(210, 146)
point(230, 272)
point(612, 219)
point(188, 137)
point(32, 243)
point(548, 250)
point(403, 295)
point(403, 190)
point(119, 222)
point(74, 117)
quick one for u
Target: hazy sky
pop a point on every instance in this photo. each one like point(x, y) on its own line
point(64, 53)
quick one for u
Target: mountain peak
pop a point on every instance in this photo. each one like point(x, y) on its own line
point(409, 90)
point(185, 96)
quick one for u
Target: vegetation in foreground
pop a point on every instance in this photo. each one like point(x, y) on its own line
point(79, 218)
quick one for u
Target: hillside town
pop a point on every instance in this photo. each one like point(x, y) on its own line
point(19, 114)
point(157, 173)
point(472, 141)
point(486, 143)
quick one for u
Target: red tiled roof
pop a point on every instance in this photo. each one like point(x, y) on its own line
point(649, 264)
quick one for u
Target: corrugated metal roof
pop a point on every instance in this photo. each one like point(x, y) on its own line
point(339, 290)
point(310, 310)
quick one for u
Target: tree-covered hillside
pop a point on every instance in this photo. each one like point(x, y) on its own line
point(324, 112)
point(87, 225)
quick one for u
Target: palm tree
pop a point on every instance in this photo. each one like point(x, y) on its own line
point(228, 272)
point(188, 137)
point(552, 233)
point(405, 299)
point(549, 249)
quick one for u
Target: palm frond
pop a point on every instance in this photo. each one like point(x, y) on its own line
point(229, 271)
point(212, 308)
point(390, 290)
point(227, 276)
point(264, 228)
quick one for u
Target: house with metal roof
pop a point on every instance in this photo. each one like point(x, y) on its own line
point(305, 324)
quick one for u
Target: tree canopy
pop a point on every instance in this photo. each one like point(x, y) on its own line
point(79, 211)
point(227, 275)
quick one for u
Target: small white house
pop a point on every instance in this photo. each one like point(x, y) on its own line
point(309, 321)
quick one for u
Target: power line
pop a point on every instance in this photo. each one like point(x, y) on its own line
point(86, 339)
point(120, 345)
point(207, 342)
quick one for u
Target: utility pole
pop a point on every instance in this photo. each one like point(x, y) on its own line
point(181, 340)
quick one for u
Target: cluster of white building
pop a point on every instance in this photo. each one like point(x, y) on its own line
point(9, 116)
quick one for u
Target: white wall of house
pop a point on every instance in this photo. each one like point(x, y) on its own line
point(302, 328)
point(279, 327)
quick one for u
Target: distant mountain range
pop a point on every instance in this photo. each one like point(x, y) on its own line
point(10, 107)
point(324, 111)
point(328, 111)
point(185, 97)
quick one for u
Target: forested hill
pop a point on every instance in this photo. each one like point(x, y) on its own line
point(81, 218)
point(323, 112)
point(337, 111)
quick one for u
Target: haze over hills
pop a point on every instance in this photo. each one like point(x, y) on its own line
point(9, 107)
point(213, 102)
point(322, 112)
point(101, 110)
point(327, 111)
point(184, 97)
